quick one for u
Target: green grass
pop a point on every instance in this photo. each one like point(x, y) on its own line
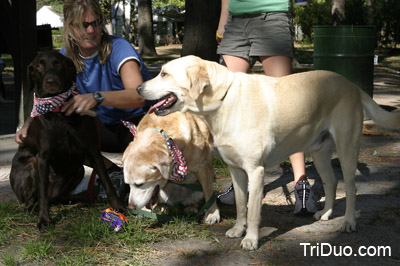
point(9, 260)
point(392, 62)
point(220, 167)
point(37, 249)
point(13, 217)
point(7, 59)
point(78, 236)
point(57, 39)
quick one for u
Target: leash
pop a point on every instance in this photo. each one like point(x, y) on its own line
point(168, 218)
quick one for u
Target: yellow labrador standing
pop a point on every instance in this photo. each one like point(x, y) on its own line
point(148, 162)
point(258, 121)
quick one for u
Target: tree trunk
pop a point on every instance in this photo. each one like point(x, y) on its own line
point(124, 30)
point(18, 27)
point(338, 12)
point(201, 22)
point(369, 12)
point(132, 23)
point(145, 28)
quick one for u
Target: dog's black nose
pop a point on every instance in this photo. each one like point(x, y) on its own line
point(139, 88)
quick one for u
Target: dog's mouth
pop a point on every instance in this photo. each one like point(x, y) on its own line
point(52, 86)
point(162, 107)
point(154, 198)
point(51, 89)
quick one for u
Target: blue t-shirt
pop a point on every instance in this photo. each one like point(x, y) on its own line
point(97, 77)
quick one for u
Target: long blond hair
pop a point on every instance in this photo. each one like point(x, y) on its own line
point(73, 13)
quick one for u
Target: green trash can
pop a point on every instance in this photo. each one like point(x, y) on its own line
point(347, 50)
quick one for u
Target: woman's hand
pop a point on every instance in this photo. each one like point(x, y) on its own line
point(23, 132)
point(80, 104)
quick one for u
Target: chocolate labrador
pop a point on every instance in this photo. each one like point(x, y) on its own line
point(49, 164)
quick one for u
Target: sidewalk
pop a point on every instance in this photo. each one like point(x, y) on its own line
point(378, 206)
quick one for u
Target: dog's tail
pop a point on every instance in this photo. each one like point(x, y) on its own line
point(380, 116)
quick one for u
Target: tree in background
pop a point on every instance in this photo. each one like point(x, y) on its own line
point(307, 16)
point(386, 17)
point(338, 12)
point(384, 14)
point(201, 22)
point(174, 13)
point(57, 5)
point(201, 15)
point(145, 28)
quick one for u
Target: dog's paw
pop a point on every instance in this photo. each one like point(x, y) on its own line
point(159, 208)
point(212, 218)
point(119, 207)
point(348, 226)
point(323, 215)
point(236, 231)
point(42, 224)
point(191, 209)
point(249, 244)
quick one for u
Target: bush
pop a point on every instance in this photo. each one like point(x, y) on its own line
point(384, 15)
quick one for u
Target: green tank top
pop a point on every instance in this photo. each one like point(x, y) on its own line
point(238, 7)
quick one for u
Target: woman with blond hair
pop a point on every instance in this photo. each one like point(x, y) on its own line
point(108, 71)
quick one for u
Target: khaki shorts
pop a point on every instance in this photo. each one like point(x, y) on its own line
point(252, 35)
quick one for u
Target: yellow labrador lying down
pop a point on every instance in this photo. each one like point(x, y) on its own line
point(148, 162)
point(258, 121)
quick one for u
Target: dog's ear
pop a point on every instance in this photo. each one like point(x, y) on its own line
point(199, 80)
point(29, 75)
point(164, 169)
point(70, 68)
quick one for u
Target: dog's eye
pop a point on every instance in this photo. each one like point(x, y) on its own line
point(40, 67)
point(138, 184)
point(163, 74)
point(57, 65)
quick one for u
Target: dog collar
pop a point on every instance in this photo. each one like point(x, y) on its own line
point(42, 106)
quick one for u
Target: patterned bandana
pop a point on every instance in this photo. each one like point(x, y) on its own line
point(179, 167)
point(52, 104)
point(131, 126)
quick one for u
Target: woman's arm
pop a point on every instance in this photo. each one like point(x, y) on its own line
point(223, 19)
point(124, 99)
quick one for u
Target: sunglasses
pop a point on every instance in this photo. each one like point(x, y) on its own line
point(94, 23)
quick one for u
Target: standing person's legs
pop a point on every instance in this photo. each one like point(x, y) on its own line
point(278, 66)
point(236, 63)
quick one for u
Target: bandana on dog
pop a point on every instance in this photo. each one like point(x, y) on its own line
point(52, 104)
point(131, 126)
point(179, 167)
